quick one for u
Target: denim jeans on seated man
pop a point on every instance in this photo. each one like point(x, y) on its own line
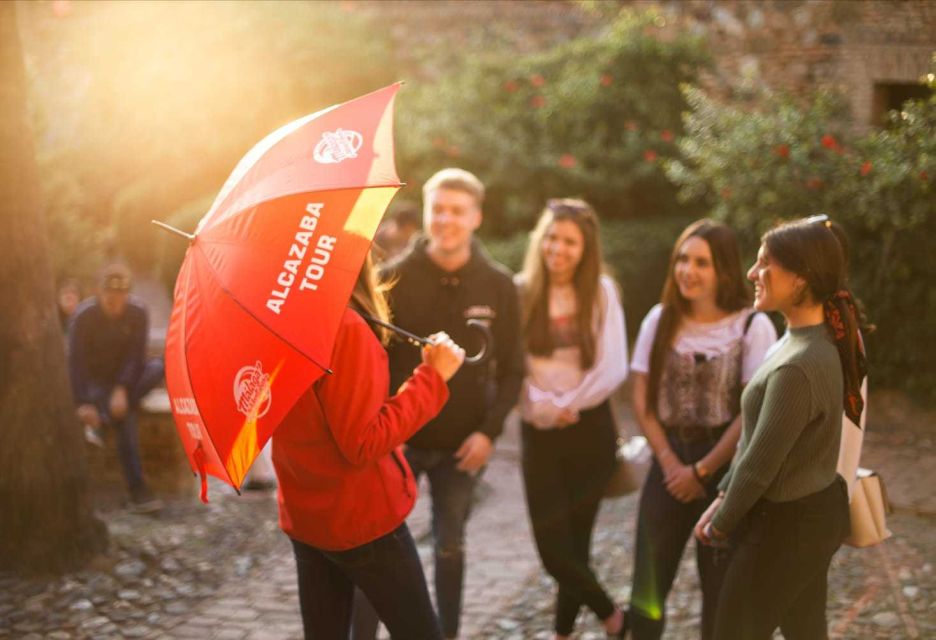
point(387, 570)
point(128, 442)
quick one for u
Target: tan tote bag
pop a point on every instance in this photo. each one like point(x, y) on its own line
point(868, 509)
point(867, 504)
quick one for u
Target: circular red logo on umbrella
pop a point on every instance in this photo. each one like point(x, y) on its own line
point(252, 391)
point(337, 145)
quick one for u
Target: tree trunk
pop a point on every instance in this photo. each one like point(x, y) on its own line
point(46, 521)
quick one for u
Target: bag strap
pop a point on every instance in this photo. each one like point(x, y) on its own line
point(747, 323)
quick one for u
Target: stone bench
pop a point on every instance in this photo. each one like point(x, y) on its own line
point(165, 466)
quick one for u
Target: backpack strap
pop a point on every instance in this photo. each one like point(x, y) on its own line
point(750, 319)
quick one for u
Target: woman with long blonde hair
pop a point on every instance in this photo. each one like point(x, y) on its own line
point(576, 355)
point(345, 488)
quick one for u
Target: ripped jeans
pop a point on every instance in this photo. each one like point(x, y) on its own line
point(451, 492)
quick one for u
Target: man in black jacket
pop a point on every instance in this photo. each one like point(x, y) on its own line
point(445, 279)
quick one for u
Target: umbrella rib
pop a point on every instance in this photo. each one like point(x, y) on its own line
point(188, 371)
point(252, 315)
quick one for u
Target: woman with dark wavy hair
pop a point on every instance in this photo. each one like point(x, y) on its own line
point(694, 353)
point(782, 501)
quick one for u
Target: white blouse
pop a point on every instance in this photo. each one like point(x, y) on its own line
point(557, 382)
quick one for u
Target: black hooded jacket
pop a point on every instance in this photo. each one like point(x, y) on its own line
point(426, 299)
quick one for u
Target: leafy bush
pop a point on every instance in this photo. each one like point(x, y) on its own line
point(783, 161)
point(593, 117)
point(155, 109)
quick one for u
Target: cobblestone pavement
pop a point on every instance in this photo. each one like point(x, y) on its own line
point(225, 571)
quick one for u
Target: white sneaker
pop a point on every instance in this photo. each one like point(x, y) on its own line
point(93, 436)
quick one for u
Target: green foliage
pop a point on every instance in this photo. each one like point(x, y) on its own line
point(783, 161)
point(593, 117)
point(75, 243)
point(140, 108)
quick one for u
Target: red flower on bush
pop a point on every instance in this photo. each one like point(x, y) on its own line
point(924, 176)
point(650, 155)
point(782, 151)
point(453, 151)
point(510, 86)
point(567, 161)
point(865, 168)
point(606, 79)
point(830, 143)
point(438, 142)
point(666, 135)
point(630, 125)
point(814, 183)
point(537, 80)
point(726, 193)
point(537, 101)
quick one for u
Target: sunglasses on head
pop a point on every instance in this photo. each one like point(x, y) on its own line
point(820, 219)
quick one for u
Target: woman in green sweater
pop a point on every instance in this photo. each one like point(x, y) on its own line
point(782, 502)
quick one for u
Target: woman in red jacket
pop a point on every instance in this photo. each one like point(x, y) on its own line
point(344, 486)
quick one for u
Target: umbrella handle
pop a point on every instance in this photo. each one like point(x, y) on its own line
point(486, 337)
point(479, 326)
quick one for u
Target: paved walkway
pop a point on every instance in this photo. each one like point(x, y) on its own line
point(225, 571)
point(502, 560)
point(876, 592)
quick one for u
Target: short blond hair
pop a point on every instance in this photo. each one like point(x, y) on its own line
point(457, 180)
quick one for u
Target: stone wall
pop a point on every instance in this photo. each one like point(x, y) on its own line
point(800, 46)
point(791, 45)
point(165, 466)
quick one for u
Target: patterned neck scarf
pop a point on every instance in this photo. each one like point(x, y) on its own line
point(850, 347)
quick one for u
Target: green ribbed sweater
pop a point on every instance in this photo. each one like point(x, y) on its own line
point(791, 427)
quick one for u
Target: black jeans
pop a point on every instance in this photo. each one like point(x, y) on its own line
point(778, 573)
point(386, 570)
point(452, 492)
point(664, 525)
point(565, 472)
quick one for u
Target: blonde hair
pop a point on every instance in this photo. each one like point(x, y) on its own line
point(370, 297)
point(457, 180)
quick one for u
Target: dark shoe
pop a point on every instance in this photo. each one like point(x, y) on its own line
point(143, 501)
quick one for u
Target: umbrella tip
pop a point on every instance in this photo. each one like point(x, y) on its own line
point(172, 229)
point(329, 371)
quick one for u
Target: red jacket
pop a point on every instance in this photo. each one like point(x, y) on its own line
point(343, 480)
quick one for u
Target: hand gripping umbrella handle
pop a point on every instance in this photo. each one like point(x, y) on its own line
point(416, 341)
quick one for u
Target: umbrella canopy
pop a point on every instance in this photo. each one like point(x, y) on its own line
point(267, 277)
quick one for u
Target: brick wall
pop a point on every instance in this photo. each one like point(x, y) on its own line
point(800, 46)
point(793, 45)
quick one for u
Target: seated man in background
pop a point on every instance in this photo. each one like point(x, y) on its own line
point(110, 373)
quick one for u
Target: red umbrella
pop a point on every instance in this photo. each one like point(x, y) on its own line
point(267, 276)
